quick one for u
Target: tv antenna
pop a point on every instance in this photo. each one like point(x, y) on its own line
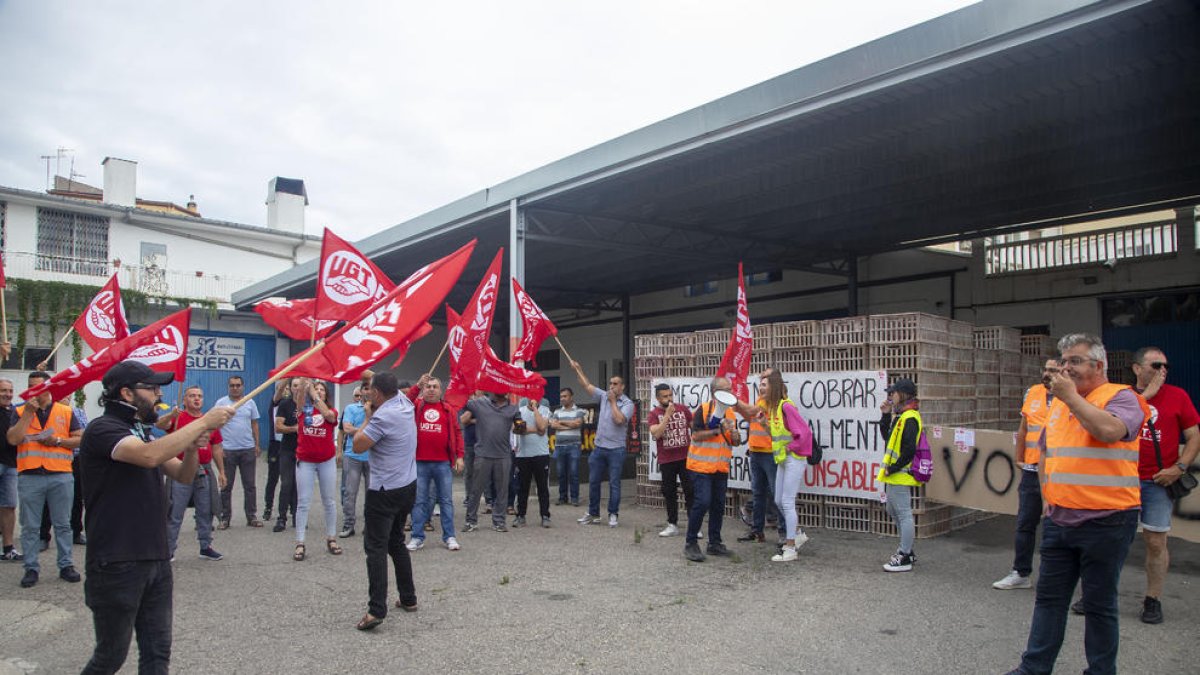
point(58, 157)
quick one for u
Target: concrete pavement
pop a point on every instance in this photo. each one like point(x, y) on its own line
point(590, 599)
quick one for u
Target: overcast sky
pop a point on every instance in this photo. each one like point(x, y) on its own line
point(385, 109)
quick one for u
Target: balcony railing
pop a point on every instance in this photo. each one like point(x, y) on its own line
point(1143, 240)
point(149, 279)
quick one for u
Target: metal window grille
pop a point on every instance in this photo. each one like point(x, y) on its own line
point(74, 243)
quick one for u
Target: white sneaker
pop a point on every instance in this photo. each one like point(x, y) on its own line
point(452, 544)
point(699, 535)
point(801, 538)
point(669, 531)
point(788, 555)
point(1013, 580)
point(612, 520)
point(415, 544)
point(588, 519)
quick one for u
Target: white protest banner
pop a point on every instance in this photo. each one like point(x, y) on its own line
point(841, 407)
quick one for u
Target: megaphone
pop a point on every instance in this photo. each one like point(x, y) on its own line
point(724, 401)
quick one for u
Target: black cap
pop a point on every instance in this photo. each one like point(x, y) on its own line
point(904, 386)
point(129, 372)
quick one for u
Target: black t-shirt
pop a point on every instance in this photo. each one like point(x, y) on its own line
point(8, 451)
point(287, 410)
point(124, 504)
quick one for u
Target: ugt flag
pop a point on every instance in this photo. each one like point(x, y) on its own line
point(735, 365)
point(294, 318)
point(469, 336)
point(535, 326)
point(162, 345)
point(103, 321)
point(347, 282)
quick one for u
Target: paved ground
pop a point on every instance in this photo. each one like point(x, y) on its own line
point(592, 599)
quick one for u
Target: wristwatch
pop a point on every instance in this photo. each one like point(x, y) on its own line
point(1182, 466)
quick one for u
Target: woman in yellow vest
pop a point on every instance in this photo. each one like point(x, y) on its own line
point(791, 444)
point(901, 427)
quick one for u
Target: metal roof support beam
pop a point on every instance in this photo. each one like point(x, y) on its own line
point(516, 269)
point(852, 286)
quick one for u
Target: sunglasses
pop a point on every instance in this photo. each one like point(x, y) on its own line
point(147, 387)
point(1159, 365)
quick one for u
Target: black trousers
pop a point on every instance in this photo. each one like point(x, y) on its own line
point(125, 597)
point(272, 473)
point(671, 473)
point(287, 484)
point(385, 513)
point(530, 469)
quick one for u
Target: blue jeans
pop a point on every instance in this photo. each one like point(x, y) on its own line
point(1092, 555)
point(325, 475)
point(354, 472)
point(899, 507)
point(1029, 513)
point(567, 456)
point(708, 497)
point(440, 477)
point(602, 461)
point(196, 491)
point(35, 492)
point(762, 482)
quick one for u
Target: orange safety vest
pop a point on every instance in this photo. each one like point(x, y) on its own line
point(1035, 411)
point(760, 435)
point(1084, 473)
point(34, 455)
point(712, 455)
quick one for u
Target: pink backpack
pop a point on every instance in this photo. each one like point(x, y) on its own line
point(922, 462)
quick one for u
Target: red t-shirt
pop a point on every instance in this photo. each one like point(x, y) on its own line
point(205, 455)
point(1171, 411)
point(314, 442)
point(677, 437)
point(435, 436)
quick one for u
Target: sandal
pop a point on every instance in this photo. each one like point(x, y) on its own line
point(368, 622)
point(298, 555)
point(333, 547)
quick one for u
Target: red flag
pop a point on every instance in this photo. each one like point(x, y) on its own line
point(347, 282)
point(505, 378)
point(402, 350)
point(535, 326)
point(735, 365)
point(162, 345)
point(394, 322)
point(469, 336)
point(294, 318)
point(103, 321)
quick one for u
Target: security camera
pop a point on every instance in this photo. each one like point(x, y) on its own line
point(1111, 264)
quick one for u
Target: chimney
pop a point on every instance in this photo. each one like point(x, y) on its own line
point(286, 199)
point(191, 204)
point(120, 181)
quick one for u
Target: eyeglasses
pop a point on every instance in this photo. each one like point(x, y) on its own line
point(1159, 365)
point(147, 387)
point(1076, 360)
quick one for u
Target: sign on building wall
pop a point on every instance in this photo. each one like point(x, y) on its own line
point(206, 352)
point(843, 410)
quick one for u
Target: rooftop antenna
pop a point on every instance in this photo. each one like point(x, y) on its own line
point(71, 178)
point(47, 158)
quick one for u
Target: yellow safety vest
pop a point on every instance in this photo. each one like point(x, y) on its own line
point(780, 435)
point(892, 454)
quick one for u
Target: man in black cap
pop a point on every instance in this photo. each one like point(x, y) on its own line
point(129, 583)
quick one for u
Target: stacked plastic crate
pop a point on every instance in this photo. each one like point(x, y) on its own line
point(1000, 380)
point(917, 346)
point(794, 346)
point(842, 344)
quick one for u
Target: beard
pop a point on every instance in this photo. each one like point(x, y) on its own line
point(145, 410)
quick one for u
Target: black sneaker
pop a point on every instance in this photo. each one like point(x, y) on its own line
point(69, 574)
point(519, 521)
point(716, 548)
point(347, 531)
point(752, 536)
point(1078, 607)
point(12, 555)
point(900, 562)
point(80, 539)
point(692, 552)
point(280, 526)
point(470, 527)
point(1151, 610)
point(30, 579)
point(267, 514)
point(500, 528)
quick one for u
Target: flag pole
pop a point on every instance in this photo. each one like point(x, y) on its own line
point(4, 315)
point(60, 342)
point(262, 387)
point(439, 356)
point(564, 349)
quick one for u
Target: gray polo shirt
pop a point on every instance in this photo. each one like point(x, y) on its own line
point(493, 427)
point(534, 444)
point(394, 456)
point(608, 434)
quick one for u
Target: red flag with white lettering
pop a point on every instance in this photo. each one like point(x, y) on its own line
point(505, 378)
point(103, 320)
point(469, 336)
point(294, 318)
point(735, 365)
point(347, 282)
point(162, 345)
point(535, 326)
point(394, 322)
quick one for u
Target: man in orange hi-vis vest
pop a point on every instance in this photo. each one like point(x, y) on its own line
point(1034, 411)
point(708, 458)
point(1090, 484)
point(46, 435)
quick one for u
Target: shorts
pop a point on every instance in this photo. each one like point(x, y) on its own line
point(8, 487)
point(1156, 507)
